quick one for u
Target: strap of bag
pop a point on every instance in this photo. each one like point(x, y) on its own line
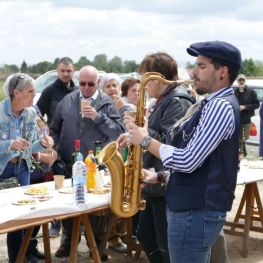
point(23, 136)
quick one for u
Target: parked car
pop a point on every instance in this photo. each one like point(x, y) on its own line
point(49, 77)
point(252, 144)
point(125, 76)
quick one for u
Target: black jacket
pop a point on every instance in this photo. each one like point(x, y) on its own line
point(51, 96)
point(172, 108)
point(250, 100)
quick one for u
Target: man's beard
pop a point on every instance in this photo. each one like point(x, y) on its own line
point(200, 91)
point(241, 85)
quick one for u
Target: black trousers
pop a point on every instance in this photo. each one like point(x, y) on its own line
point(152, 231)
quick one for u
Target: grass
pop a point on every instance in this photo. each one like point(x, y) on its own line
point(2, 94)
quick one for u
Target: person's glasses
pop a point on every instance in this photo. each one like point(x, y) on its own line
point(89, 83)
point(17, 80)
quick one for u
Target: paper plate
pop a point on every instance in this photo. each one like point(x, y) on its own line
point(25, 201)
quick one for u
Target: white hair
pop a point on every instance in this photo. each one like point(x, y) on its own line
point(6, 85)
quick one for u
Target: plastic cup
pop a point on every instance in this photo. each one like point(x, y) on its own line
point(84, 104)
point(130, 113)
point(59, 181)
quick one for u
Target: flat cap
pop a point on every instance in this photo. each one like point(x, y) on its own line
point(241, 76)
point(223, 52)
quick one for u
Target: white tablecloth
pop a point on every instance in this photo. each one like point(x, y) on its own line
point(248, 175)
point(58, 205)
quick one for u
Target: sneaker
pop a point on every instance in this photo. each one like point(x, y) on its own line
point(54, 229)
point(121, 248)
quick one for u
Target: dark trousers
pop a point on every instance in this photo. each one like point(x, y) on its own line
point(97, 224)
point(152, 231)
point(14, 241)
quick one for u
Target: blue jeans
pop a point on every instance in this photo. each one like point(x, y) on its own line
point(191, 234)
point(11, 170)
point(14, 239)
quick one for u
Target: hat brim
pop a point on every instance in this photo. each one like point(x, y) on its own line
point(192, 52)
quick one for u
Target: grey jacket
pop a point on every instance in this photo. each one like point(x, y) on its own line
point(169, 110)
point(65, 127)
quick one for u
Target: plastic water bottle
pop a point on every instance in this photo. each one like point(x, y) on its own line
point(79, 181)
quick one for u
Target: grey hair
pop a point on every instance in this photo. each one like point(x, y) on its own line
point(19, 81)
point(107, 77)
point(6, 84)
point(66, 61)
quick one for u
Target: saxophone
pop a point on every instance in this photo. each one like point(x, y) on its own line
point(126, 178)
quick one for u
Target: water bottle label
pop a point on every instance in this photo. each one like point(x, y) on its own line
point(79, 180)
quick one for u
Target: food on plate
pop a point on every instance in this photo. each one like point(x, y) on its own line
point(37, 190)
point(68, 190)
point(98, 191)
point(26, 201)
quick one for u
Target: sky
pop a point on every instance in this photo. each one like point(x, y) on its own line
point(39, 30)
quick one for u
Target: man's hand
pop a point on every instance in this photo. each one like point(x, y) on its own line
point(89, 112)
point(242, 107)
point(47, 142)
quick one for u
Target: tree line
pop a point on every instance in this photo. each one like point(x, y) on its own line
point(100, 61)
point(250, 67)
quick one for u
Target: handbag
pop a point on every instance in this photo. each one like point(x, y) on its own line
point(59, 167)
point(8, 183)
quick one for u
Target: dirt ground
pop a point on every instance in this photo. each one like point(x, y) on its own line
point(234, 243)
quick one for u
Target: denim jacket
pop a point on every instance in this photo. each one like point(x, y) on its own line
point(8, 133)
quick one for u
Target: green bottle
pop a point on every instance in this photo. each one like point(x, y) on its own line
point(125, 155)
point(76, 152)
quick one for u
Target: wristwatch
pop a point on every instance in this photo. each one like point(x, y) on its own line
point(145, 142)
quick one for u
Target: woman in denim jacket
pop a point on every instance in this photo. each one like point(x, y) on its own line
point(18, 139)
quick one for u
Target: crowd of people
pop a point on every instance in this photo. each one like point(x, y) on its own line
point(191, 138)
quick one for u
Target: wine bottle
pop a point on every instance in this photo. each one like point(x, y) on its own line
point(76, 152)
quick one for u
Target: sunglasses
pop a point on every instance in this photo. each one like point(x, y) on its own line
point(17, 80)
point(89, 83)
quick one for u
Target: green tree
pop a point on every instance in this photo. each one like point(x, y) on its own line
point(83, 61)
point(11, 69)
point(115, 65)
point(189, 65)
point(44, 66)
point(24, 67)
point(100, 62)
point(249, 67)
point(55, 63)
point(130, 66)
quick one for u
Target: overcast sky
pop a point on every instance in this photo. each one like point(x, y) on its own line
point(36, 31)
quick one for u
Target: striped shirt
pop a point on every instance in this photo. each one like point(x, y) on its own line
point(217, 123)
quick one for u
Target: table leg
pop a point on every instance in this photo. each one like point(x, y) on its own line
point(110, 224)
point(247, 220)
point(91, 239)
point(74, 240)
point(23, 248)
point(46, 240)
point(129, 236)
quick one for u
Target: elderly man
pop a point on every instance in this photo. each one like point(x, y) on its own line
point(248, 101)
point(201, 160)
point(17, 142)
point(98, 122)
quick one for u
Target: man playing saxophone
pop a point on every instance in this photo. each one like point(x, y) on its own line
point(201, 162)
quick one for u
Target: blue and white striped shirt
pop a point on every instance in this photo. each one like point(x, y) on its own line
point(217, 123)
